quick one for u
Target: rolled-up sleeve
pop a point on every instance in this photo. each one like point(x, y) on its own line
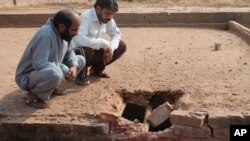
point(41, 49)
point(82, 38)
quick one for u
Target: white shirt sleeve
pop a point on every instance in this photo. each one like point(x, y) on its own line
point(114, 33)
point(82, 38)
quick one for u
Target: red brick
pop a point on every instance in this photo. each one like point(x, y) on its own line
point(160, 114)
point(106, 117)
point(221, 132)
point(34, 129)
point(132, 138)
point(200, 139)
point(1, 129)
point(218, 120)
point(194, 119)
point(223, 139)
point(96, 138)
point(246, 118)
point(208, 139)
point(187, 131)
point(168, 135)
point(190, 139)
point(169, 139)
point(236, 118)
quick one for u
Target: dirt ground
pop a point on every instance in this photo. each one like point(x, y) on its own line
point(157, 59)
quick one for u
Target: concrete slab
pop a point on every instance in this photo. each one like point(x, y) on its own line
point(140, 17)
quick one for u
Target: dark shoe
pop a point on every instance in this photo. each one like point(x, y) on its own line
point(82, 81)
point(101, 74)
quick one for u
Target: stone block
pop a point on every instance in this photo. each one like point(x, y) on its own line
point(223, 139)
point(194, 119)
point(208, 139)
point(191, 132)
point(2, 131)
point(236, 118)
point(218, 120)
point(219, 133)
point(160, 114)
point(54, 130)
point(246, 118)
point(97, 138)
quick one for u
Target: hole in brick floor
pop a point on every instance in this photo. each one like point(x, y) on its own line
point(150, 108)
point(134, 112)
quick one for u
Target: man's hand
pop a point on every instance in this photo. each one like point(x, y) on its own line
point(108, 55)
point(71, 74)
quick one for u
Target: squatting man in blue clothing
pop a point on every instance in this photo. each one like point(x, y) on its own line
point(47, 59)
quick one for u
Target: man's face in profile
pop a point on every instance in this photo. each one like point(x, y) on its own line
point(67, 33)
point(104, 15)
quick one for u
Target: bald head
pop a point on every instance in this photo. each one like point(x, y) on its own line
point(67, 23)
point(65, 17)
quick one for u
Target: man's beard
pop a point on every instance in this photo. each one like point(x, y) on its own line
point(65, 35)
point(100, 18)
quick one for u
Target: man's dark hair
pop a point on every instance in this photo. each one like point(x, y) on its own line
point(109, 4)
point(63, 17)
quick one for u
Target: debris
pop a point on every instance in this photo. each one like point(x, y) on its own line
point(217, 46)
point(105, 117)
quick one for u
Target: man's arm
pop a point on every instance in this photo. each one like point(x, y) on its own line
point(72, 62)
point(41, 51)
point(71, 58)
point(83, 40)
point(114, 33)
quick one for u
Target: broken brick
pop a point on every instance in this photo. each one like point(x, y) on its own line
point(105, 117)
point(236, 118)
point(246, 120)
point(218, 120)
point(160, 114)
point(187, 131)
point(194, 119)
point(218, 133)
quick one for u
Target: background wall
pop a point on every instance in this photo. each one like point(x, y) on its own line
point(217, 3)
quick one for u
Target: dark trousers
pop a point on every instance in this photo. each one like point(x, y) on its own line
point(94, 58)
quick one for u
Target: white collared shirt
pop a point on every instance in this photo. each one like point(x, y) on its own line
point(91, 31)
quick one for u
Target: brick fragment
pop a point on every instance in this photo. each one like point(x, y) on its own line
point(246, 120)
point(236, 118)
point(218, 120)
point(194, 119)
point(219, 133)
point(187, 131)
point(160, 114)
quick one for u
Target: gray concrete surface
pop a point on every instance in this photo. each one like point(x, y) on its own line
point(148, 17)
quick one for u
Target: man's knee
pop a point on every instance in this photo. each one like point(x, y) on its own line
point(54, 74)
point(81, 61)
point(122, 47)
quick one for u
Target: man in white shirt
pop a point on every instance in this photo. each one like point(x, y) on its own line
point(98, 52)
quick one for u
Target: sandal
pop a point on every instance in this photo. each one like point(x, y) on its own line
point(37, 103)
